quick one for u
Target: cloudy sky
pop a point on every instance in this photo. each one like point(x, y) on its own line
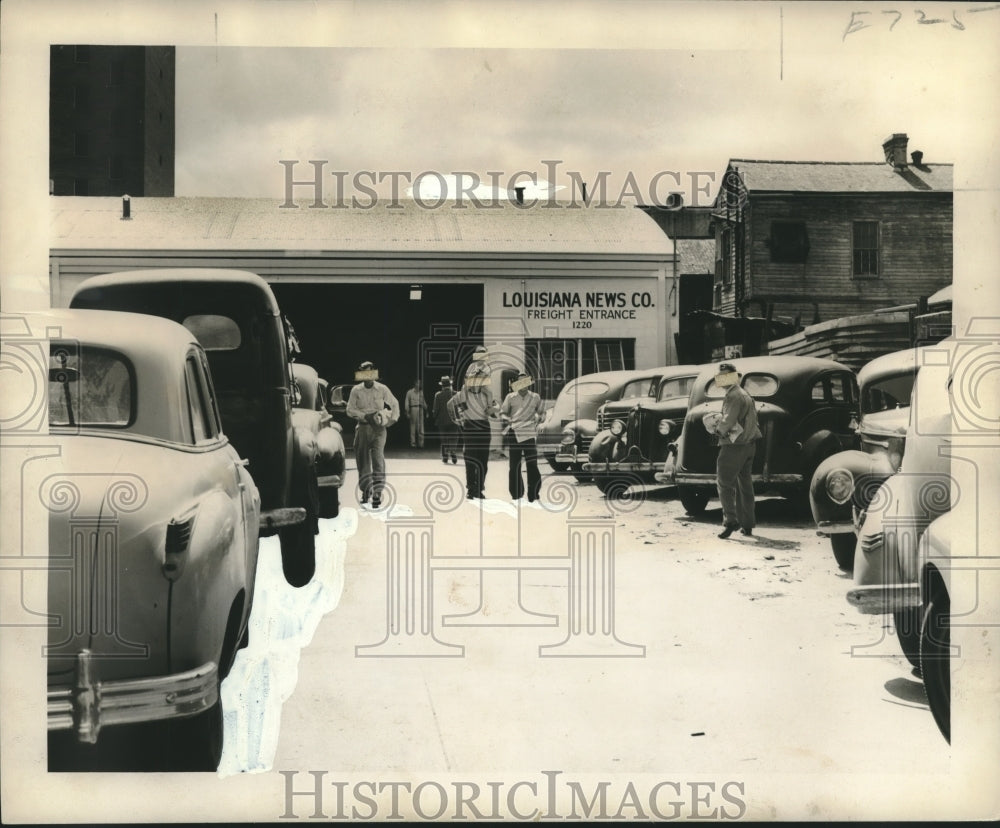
point(800, 87)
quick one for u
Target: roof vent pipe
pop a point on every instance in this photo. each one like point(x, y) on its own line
point(519, 195)
point(126, 208)
point(918, 157)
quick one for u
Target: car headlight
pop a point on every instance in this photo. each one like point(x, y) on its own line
point(568, 437)
point(617, 427)
point(665, 427)
point(840, 485)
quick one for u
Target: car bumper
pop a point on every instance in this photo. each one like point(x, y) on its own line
point(568, 458)
point(883, 599)
point(88, 705)
point(641, 469)
point(326, 481)
point(709, 480)
point(825, 528)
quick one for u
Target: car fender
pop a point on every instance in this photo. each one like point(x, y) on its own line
point(817, 448)
point(868, 470)
point(605, 447)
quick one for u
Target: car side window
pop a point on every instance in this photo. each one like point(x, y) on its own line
point(834, 389)
point(212, 408)
point(203, 424)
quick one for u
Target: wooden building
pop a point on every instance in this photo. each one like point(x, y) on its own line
point(807, 242)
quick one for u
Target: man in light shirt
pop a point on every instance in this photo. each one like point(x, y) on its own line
point(471, 409)
point(738, 434)
point(416, 411)
point(520, 414)
point(375, 408)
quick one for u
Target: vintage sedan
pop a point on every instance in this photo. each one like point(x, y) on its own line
point(565, 434)
point(844, 483)
point(886, 570)
point(236, 318)
point(636, 434)
point(311, 419)
point(805, 409)
point(153, 534)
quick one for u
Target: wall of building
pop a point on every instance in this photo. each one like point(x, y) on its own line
point(915, 251)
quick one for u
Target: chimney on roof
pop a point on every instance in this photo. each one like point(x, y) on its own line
point(895, 150)
point(918, 158)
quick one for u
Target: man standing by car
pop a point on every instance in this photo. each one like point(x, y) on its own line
point(416, 410)
point(375, 408)
point(738, 434)
point(520, 413)
point(471, 409)
point(447, 430)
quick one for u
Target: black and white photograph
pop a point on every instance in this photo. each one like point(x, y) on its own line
point(478, 411)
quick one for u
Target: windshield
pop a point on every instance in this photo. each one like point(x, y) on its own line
point(89, 387)
point(676, 387)
point(636, 388)
point(888, 392)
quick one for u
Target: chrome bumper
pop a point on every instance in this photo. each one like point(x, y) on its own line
point(883, 599)
point(618, 468)
point(825, 528)
point(89, 705)
point(688, 479)
point(566, 457)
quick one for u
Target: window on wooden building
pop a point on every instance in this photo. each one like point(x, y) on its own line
point(789, 242)
point(865, 248)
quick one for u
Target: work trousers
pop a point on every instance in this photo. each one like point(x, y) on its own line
point(450, 441)
point(735, 483)
point(369, 451)
point(476, 436)
point(515, 482)
point(417, 427)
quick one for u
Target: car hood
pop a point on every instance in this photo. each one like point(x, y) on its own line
point(890, 423)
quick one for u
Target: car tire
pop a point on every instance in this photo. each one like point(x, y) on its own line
point(298, 553)
point(329, 502)
point(907, 623)
point(935, 660)
point(694, 501)
point(195, 743)
point(844, 545)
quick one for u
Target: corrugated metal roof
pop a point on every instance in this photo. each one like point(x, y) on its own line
point(696, 255)
point(841, 177)
point(262, 224)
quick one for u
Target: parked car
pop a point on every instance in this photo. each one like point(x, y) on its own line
point(805, 408)
point(153, 534)
point(565, 434)
point(635, 434)
point(886, 572)
point(337, 406)
point(935, 654)
point(236, 318)
point(310, 417)
point(843, 484)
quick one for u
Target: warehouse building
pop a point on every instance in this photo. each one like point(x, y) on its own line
point(558, 290)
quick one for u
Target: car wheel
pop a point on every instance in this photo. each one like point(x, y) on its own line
point(844, 545)
point(298, 553)
point(935, 660)
point(907, 623)
point(329, 502)
point(195, 743)
point(694, 501)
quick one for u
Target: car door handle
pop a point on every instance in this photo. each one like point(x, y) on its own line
point(243, 461)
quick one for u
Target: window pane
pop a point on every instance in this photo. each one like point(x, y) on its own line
point(214, 333)
point(89, 387)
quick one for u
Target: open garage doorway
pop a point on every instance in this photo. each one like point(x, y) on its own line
point(339, 325)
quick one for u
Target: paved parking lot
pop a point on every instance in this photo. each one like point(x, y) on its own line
point(496, 652)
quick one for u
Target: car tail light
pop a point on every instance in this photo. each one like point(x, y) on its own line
point(840, 485)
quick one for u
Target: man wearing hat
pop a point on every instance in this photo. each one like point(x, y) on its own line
point(375, 408)
point(520, 414)
point(471, 409)
point(447, 430)
point(738, 434)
